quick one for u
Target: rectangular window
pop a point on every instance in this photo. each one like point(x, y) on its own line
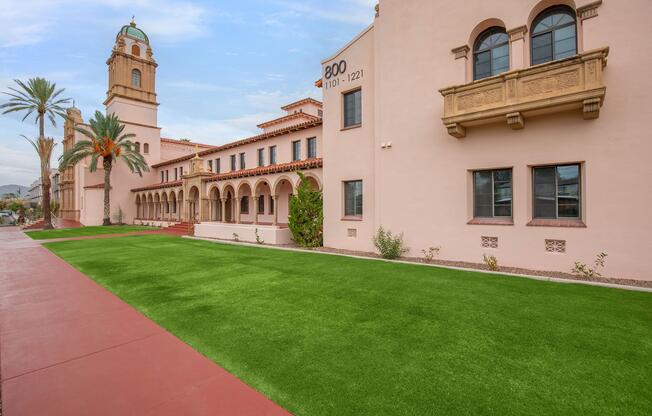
point(353, 199)
point(556, 191)
point(296, 150)
point(272, 155)
point(312, 147)
point(233, 167)
point(261, 204)
point(217, 166)
point(167, 176)
point(176, 174)
point(492, 193)
point(261, 157)
point(210, 165)
point(271, 205)
point(242, 161)
point(244, 205)
point(162, 176)
point(352, 108)
point(181, 171)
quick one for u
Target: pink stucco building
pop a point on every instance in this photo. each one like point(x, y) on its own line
point(514, 128)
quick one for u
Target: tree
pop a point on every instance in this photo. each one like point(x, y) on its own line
point(306, 220)
point(107, 142)
point(41, 98)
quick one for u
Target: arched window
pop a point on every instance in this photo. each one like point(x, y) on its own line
point(491, 53)
point(137, 147)
point(135, 50)
point(135, 78)
point(554, 35)
point(146, 148)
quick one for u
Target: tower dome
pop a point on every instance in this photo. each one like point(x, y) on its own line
point(132, 31)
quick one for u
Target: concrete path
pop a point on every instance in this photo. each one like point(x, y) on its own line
point(69, 347)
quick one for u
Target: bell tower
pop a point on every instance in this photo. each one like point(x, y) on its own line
point(132, 78)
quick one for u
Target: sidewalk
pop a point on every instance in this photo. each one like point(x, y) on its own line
point(69, 347)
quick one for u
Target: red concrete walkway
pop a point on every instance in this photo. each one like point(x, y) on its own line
point(69, 347)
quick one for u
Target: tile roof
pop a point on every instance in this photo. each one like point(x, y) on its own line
point(253, 139)
point(301, 102)
point(293, 116)
point(97, 186)
point(159, 186)
point(185, 142)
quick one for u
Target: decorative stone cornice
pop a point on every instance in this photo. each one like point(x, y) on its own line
point(589, 10)
point(517, 33)
point(461, 51)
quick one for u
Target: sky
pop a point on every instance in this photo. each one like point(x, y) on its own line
point(224, 66)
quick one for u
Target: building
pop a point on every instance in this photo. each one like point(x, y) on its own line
point(494, 127)
point(35, 194)
point(482, 127)
point(240, 189)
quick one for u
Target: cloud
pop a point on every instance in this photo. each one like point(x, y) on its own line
point(215, 132)
point(18, 166)
point(346, 11)
point(195, 86)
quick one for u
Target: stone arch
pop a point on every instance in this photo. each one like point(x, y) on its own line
point(481, 27)
point(157, 206)
point(193, 203)
point(172, 202)
point(165, 204)
point(313, 180)
point(180, 205)
point(245, 195)
point(540, 7)
point(150, 206)
point(284, 188)
point(214, 203)
point(280, 180)
point(228, 193)
point(263, 201)
point(138, 207)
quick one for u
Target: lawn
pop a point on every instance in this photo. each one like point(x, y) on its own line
point(330, 335)
point(85, 231)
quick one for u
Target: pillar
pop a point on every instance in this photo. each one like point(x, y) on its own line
point(237, 209)
point(255, 198)
point(517, 47)
point(223, 213)
point(461, 64)
point(275, 198)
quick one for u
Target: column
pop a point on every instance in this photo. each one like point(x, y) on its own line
point(461, 64)
point(255, 198)
point(223, 213)
point(517, 47)
point(589, 34)
point(236, 204)
point(275, 198)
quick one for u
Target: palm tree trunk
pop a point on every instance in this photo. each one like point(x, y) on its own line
point(107, 190)
point(45, 177)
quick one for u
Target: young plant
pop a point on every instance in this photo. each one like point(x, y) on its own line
point(389, 246)
point(581, 269)
point(430, 253)
point(236, 237)
point(258, 239)
point(491, 262)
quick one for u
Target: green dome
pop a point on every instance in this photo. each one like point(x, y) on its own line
point(134, 32)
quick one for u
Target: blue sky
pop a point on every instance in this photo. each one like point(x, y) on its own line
point(224, 66)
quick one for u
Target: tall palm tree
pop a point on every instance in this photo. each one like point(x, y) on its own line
point(41, 98)
point(109, 143)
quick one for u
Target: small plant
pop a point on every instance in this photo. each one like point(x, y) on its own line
point(430, 253)
point(236, 237)
point(258, 239)
point(306, 217)
point(118, 215)
point(581, 269)
point(491, 262)
point(389, 246)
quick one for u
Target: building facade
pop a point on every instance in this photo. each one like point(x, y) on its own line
point(513, 128)
point(494, 127)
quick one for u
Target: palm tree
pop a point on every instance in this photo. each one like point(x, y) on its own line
point(41, 98)
point(109, 143)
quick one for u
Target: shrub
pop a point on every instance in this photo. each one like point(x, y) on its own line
point(258, 239)
point(236, 237)
point(491, 262)
point(306, 219)
point(118, 215)
point(430, 253)
point(581, 269)
point(389, 246)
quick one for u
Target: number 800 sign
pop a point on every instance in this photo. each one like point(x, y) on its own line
point(335, 69)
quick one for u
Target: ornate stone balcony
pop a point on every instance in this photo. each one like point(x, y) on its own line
point(563, 85)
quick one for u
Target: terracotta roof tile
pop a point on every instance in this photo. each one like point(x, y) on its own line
point(97, 186)
point(185, 142)
point(308, 117)
point(301, 102)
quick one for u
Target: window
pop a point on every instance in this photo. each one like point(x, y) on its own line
point(176, 174)
point(146, 148)
point(312, 147)
point(272, 155)
point(135, 50)
point(217, 165)
point(296, 150)
point(554, 35)
point(353, 199)
point(135, 78)
point(137, 147)
point(261, 157)
point(557, 191)
point(491, 53)
point(492, 193)
point(162, 176)
point(242, 161)
point(271, 205)
point(320, 113)
point(167, 176)
point(233, 163)
point(353, 108)
point(261, 204)
point(210, 165)
point(181, 171)
point(244, 205)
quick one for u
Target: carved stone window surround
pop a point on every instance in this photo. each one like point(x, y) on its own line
point(574, 82)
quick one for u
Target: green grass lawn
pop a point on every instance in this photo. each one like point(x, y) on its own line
point(85, 231)
point(329, 335)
